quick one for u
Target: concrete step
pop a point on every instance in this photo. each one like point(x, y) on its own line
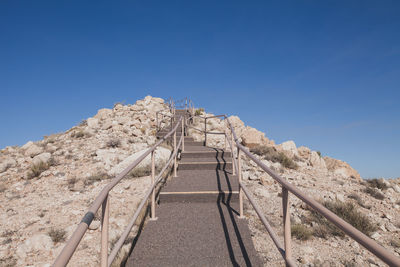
point(194, 143)
point(201, 186)
point(205, 154)
point(206, 165)
point(195, 234)
point(199, 196)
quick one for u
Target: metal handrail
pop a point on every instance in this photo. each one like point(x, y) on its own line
point(351, 231)
point(347, 228)
point(103, 200)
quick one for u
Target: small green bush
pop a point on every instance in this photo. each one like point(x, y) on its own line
point(199, 111)
point(374, 192)
point(37, 169)
point(301, 232)
point(319, 153)
point(57, 235)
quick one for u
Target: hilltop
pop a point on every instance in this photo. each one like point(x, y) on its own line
point(46, 187)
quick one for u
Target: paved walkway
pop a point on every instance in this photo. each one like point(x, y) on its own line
point(198, 222)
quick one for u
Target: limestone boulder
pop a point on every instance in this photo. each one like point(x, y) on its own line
point(103, 113)
point(342, 168)
point(236, 122)
point(27, 145)
point(93, 123)
point(43, 157)
point(251, 137)
point(6, 164)
point(317, 161)
point(289, 148)
point(33, 150)
point(304, 152)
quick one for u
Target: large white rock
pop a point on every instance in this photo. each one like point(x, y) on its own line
point(236, 122)
point(251, 137)
point(290, 147)
point(6, 164)
point(342, 168)
point(317, 161)
point(27, 145)
point(33, 150)
point(103, 113)
point(43, 157)
point(109, 157)
point(161, 157)
point(304, 152)
point(93, 123)
point(39, 242)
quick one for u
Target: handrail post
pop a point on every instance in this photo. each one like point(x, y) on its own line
point(225, 144)
point(171, 122)
point(183, 138)
point(240, 186)
point(286, 223)
point(153, 195)
point(176, 154)
point(104, 232)
point(233, 155)
point(205, 132)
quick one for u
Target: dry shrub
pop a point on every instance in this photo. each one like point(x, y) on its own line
point(96, 177)
point(78, 134)
point(301, 232)
point(348, 212)
point(271, 154)
point(374, 192)
point(37, 169)
point(113, 143)
point(377, 183)
point(57, 235)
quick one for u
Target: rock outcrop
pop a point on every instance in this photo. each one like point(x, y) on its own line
point(341, 167)
point(49, 184)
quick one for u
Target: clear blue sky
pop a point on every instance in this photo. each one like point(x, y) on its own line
point(325, 74)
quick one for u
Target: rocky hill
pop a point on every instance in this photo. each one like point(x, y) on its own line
point(46, 187)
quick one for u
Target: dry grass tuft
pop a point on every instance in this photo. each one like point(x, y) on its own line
point(345, 210)
point(113, 143)
point(377, 183)
point(37, 169)
point(96, 177)
point(271, 154)
point(301, 232)
point(374, 192)
point(57, 235)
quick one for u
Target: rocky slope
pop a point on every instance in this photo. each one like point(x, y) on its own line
point(327, 180)
point(47, 186)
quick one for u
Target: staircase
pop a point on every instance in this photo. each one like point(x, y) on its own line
point(197, 215)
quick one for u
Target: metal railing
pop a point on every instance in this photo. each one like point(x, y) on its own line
point(103, 200)
point(286, 249)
